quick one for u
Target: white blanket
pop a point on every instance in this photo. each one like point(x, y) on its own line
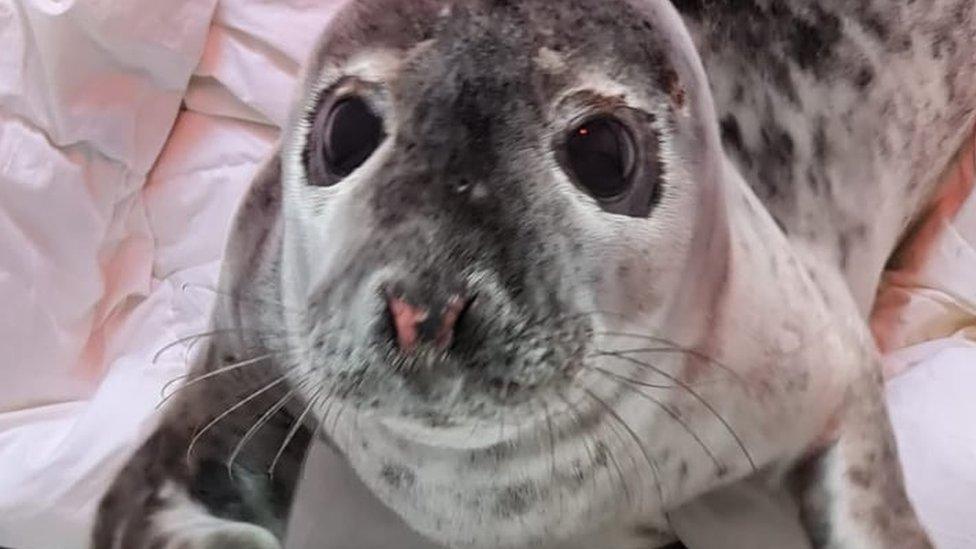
point(102, 265)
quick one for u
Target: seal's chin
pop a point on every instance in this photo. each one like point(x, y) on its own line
point(457, 435)
point(448, 397)
point(511, 480)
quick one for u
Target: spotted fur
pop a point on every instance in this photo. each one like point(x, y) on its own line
point(622, 361)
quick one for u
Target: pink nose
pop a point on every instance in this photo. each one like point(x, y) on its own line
point(415, 324)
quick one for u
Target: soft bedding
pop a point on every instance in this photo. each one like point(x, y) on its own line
point(128, 133)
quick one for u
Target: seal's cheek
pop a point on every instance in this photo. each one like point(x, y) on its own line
point(630, 269)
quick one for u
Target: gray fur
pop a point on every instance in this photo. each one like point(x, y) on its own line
point(620, 360)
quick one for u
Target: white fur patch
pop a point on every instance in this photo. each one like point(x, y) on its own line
point(185, 524)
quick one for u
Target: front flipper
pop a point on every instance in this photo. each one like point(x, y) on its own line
point(151, 504)
point(853, 494)
point(202, 480)
point(169, 496)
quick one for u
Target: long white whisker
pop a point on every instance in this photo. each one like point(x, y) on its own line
point(673, 348)
point(191, 338)
point(640, 446)
point(243, 299)
point(294, 430)
point(208, 375)
point(697, 397)
point(627, 382)
point(229, 411)
point(249, 434)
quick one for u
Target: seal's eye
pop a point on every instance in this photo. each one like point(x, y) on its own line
point(343, 136)
point(601, 157)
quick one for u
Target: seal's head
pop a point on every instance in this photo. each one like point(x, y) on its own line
point(481, 200)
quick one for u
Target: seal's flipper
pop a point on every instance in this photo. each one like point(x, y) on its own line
point(220, 468)
point(853, 493)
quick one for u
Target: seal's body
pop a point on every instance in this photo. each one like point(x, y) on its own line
point(544, 272)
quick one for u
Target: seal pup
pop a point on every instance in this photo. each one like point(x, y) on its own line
point(545, 271)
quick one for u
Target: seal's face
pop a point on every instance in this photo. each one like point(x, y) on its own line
point(480, 202)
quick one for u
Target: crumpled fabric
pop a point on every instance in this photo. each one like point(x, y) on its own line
point(89, 92)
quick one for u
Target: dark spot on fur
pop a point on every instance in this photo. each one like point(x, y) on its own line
point(860, 477)
point(493, 454)
point(844, 249)
point(782, 79)
point(515, 500)
point(601, 455)
point(882, 516)
point(939, 43)
point(820, 143)
point(864, 77)
point(775, 161)
point(873, 24)
point(732, 137)
point(578, 474)
point(739, 93)
point(397, 476)
point(811, 43)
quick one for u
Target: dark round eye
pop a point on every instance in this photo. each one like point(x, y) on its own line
point(342, 138)
point(601, 156)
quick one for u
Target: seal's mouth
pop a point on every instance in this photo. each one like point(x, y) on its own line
point(457, 385)
point(447, 358)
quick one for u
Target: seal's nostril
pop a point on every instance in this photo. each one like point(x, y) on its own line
point(452, 312)
point(406, 321)
point(414, 324)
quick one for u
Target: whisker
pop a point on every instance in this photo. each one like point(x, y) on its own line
point(552, 451)
point(672, 348)
point(578, 419)
point(193, 338)
point(628, 383)
point(343, 403)
point(208, 375)
point(242, 299)
point(253, 429)
point(335, 421)
point(696, 396)
point(650, 461)
point(501, 425)
point(328, 403)
point(536, 322)
point(356, 385)
point(643, 383)
point(229, 411)
point(294, 430)
point(476, 425)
